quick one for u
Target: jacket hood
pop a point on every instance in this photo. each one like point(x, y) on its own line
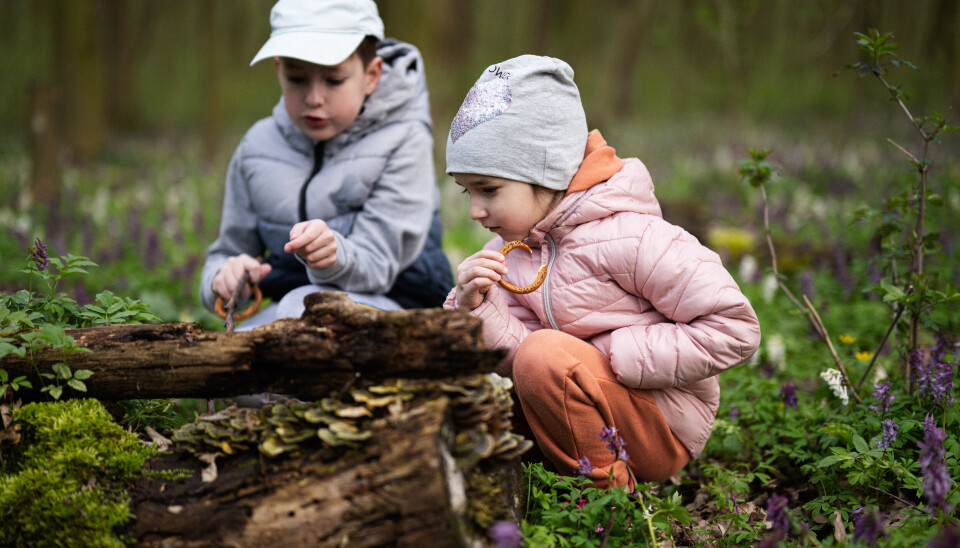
point(401, 95)
point(604, 185)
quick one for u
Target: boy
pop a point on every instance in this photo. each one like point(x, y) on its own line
point(337, 188)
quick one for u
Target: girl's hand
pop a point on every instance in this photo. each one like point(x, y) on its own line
point(476, 275)
point(230, 273)
point(313, 241)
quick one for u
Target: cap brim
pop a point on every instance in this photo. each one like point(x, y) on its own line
point(325, 48)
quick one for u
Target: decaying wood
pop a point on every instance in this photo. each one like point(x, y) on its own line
point(407, 485)
point(331, 345)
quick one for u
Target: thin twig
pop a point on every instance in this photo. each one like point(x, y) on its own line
point(606, 533)
point(836, 358)
point(231, 305)
point(891, 495)
point(905, 151)
point(883, 341)
point(773, 252)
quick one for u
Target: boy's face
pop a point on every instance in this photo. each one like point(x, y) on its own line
point(325, 100)
point(505, 207)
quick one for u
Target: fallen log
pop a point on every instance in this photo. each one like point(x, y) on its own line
point(333, 344)
point(438, 466)
point(398, 436)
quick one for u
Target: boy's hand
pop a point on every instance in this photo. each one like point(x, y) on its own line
point(476, 275)
point(230, 273)
point(313, 241)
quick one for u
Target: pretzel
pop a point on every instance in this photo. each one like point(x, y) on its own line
point(240, 316)
point(541, 276)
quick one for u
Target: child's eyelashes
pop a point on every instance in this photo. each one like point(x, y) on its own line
point(335, 81)
point(488, 191)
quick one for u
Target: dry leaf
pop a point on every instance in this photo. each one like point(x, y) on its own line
point(839, 528)
point(162, 443)
point(209, 473)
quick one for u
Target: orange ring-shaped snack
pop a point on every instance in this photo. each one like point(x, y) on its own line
point(541, 275)
point(240, 316)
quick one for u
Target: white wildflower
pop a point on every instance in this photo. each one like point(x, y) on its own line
point(777, 351)
point(768, 287)
point(835, 380)
point(748, 268)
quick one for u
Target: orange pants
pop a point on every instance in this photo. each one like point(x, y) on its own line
point(568, 393)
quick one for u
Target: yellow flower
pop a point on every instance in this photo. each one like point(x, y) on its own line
point(864, 355)
point(846, 339)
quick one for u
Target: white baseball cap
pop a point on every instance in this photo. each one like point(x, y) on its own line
point(324, 32)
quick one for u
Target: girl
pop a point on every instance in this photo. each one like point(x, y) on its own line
point(634, 318)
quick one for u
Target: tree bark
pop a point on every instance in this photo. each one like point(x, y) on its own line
point(44, 145)
point(404, 487)
point(335, 343)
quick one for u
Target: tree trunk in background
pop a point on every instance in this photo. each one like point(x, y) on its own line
point(79, 66)
point(211, 113)
point(121, 104)
point(44, 146)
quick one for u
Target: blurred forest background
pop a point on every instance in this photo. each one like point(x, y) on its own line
point(118, 117)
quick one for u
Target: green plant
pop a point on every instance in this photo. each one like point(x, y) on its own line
point(30, 321)
point(908, 286)
point(71, 469)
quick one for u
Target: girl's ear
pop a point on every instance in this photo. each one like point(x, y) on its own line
point(372, 75)
point(278, 67)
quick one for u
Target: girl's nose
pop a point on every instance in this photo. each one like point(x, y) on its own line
point(477, 211)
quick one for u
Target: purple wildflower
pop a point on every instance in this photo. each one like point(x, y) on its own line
point(789, 395)
point(584, 466)
point(598, 529)
point(734, 413)
point(939, 349)
point(777, 513)
point(505, 534)
point(889, 435)
point(948, 538)
point(942, 389)
point(934, 377)
point(867, 525)
point(615, 443)
point(881, 392)
point(39, 255)
point(936, 478)
point(151, 256)
point(736, 503)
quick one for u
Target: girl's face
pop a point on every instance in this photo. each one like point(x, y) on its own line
point(505, 207)
point(322, 100)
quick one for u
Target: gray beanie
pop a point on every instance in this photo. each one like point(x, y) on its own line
point(523, 121)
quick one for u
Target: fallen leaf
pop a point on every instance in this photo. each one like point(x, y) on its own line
point(209, 473)
point(839, 528)
point(162, 443)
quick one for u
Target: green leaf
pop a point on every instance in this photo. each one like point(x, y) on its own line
point(56, 391)
point(61, 370)
point(82, 374)
point(860, 444)
point(77, 385)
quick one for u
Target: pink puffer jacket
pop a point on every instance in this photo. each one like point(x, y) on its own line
point(646, 293)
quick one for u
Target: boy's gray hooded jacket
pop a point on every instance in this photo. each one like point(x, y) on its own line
point(376, 190)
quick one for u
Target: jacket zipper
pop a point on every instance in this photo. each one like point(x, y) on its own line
point(546, 282)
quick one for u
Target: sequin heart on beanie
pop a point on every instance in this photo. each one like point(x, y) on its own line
point(485, 101)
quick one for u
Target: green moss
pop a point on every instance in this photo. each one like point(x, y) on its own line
point(65, 483)
point(172, 474)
